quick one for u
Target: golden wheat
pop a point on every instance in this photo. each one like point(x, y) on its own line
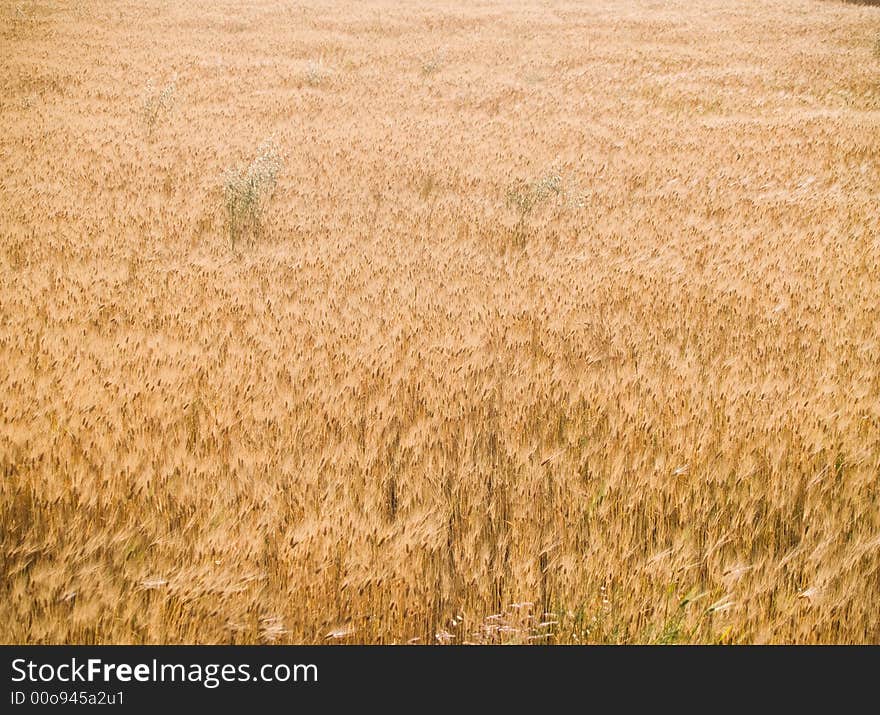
point(647, 408)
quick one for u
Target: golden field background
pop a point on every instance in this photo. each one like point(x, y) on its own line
point(647, 412)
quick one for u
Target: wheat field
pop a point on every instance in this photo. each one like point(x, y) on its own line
point(557, 322)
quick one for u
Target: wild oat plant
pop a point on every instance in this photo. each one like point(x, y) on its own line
point(21, 19)
point(524, 196)
point(247, 190)
point(431, 64)
point(317, 72)
point(157, 103)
